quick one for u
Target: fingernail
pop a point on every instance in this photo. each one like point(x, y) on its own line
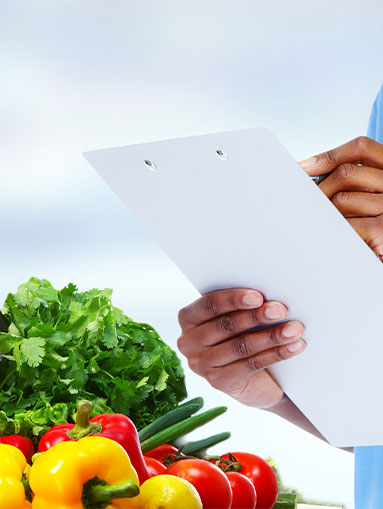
point(291, 330)
point(274, 312)
point(308, 163)
point(252, 299)
point(296, 347)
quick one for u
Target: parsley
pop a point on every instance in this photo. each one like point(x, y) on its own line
point(61, 346)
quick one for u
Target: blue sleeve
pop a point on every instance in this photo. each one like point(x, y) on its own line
point(368, 474)
point(375, 126)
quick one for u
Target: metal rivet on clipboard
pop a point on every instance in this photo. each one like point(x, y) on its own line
point(222, 155)
point(150, 165)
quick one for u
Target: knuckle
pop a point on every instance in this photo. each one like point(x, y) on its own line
point(181, 344)
point(233, 300)
point(210, 305)
point(195, 364)
point(242, 346)
point(363, 143)
point(181, 315)
point(254, 316)
point(345, 172)
point(227, 324)
point(372, 227)
point(213, 378)
point(280, 354)
point(275, 336)
point(253, 363)
point(330, 158)
point(379, 222)
point(340, 198)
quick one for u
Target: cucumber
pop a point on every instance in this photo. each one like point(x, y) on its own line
point(178, 414)
point(198, 448)
point(286, 501)
point(198, 400)
point(181, 428)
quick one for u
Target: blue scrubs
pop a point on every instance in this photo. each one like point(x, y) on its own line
point(369, 460)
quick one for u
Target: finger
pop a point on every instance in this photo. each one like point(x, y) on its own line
point(351, 177)
point(371, 231)
point(237, 372)
point(352, 204)
point(231, 324)
point(360, 150)
point(217, 303)
point(251, 343)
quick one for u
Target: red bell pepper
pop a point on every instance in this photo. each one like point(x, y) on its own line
point(22, 443)
point(117, 427)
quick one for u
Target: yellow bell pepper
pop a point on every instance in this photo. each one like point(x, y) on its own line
point(12, 465)
point(58, 476)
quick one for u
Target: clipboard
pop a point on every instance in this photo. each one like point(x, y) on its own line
point(234, 209)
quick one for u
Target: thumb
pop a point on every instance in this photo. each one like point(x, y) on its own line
point(321, 163)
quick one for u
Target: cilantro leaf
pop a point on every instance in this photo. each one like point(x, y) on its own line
point(32, 351)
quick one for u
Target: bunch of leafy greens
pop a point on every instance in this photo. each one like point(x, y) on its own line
point(61, 346)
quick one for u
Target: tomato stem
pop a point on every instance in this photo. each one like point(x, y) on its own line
point(171, 458)
point(227, 465)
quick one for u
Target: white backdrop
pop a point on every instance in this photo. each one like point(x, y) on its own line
point(79, 75)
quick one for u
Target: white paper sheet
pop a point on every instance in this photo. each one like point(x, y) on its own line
point(257, 220)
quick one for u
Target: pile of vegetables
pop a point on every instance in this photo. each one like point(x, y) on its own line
point(78, 378)
point(100, 462)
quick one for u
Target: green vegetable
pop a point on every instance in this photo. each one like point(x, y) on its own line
point(286, 501)
point(181, 428)
point(62, 346)
point(198, 447)
point(178, 414)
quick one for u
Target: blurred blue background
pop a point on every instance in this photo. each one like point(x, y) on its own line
point(80, 75)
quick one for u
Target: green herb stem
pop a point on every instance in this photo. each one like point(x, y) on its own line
point(7, 377)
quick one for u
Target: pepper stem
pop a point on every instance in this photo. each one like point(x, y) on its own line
point(98, 493)
point(83, 426)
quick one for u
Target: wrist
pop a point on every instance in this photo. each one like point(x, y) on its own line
point(282, 406)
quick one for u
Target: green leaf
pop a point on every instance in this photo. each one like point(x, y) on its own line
point(8, 341)
point(142, 381)
point(58, 413)
point(109, 338)
point(161, 383)
point(7, 425)
point(17, 356)
point(12, 329)
point(41, 416)
point(32, 351)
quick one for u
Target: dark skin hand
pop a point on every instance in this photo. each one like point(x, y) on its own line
point(355, 186)
point(215, 328)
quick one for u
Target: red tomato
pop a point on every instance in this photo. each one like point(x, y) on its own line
point(161, 451)
point(153, 466)
point(211, 483)
point(261, 475)
point(244, 495)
